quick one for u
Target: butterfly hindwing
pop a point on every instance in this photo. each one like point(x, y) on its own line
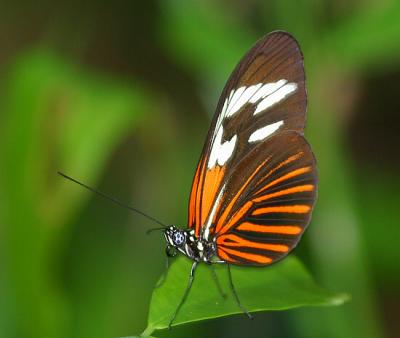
point(265, 95)
point(275, 187)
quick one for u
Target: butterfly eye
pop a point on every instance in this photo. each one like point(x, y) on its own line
point(178, 238)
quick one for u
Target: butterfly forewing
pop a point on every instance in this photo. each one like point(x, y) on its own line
point(265, 97)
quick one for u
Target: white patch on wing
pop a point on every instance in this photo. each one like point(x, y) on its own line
point(264, 132)
point(264, 95)
point(276, 96)
point(221, 151)
point(267, 89)
point(269, 94)
point(212, 213)
point(236, 95)
point(245, 96)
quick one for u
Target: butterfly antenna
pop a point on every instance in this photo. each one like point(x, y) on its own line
point(154, 229)
point(112, 199)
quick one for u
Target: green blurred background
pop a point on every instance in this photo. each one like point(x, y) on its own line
point(121, 94)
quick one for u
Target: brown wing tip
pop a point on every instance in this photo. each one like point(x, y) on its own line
point(283, 35)
point(280, 39)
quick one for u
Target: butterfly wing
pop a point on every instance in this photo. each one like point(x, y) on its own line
point(275, 188)
point(264, 96)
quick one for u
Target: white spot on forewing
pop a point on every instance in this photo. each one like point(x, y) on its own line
point(269, 94)
point(221, 151)
point(225, 107)
point(262, 133)
point(212, 213)
point(276, 96)
point(264, 95)
point(237, 94)
point(226, 150)
point(245, 96)
point(267, 89)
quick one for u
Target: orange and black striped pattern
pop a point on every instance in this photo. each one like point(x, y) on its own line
point(266, 220)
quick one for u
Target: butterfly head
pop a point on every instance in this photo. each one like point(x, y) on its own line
point(176, 238)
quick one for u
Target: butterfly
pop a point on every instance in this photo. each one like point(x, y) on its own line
point(255, 184)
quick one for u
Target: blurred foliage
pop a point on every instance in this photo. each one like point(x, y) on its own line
point(120, 95)
point(56, 114)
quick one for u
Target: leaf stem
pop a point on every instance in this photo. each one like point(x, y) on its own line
point(147, 332)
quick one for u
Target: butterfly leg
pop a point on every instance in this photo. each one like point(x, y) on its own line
point(215, 277)
point(164, 275)
point(189, 286)
point(236, 295)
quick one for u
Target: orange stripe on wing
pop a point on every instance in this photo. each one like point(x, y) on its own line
point(248, 256)
point(290, 209)
point(283, 163)
point(300, 188)
point(231, 240)
point(241, 212)
point(198, 197)
point(272, 229)
point(193, 195)
point(285, 177)
point(212, 182)
point(237, 216)
point(228, 209)
point(222, 254)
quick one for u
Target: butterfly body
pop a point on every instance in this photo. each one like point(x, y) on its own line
point(186, 242)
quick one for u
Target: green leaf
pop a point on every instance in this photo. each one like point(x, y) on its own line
point(279, 287)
